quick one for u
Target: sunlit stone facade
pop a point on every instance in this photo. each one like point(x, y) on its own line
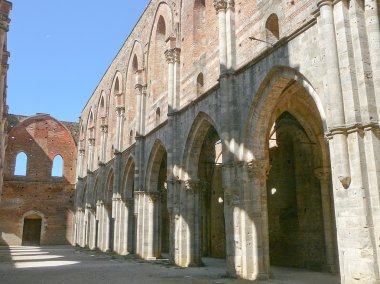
point(244, 130)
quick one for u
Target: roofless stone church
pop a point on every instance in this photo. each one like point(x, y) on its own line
point(243, 130)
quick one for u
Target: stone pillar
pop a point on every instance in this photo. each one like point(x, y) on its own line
point(81, 155)
point(249, 205)
point(220, 7)
point(128, 227)
point(98, 227)
point(193, 218)
point(87, 225)
point(373, 34)
point(332, 79)
point(172, 55)
point(116, 219)
point(230, 35)
point(120, 111)
point(324, 176)
point(103, 143)
point(152, 236)
point(90, 161)
point(147, 224)
point(140, 130)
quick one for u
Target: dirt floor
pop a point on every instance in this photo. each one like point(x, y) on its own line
point(65, 264)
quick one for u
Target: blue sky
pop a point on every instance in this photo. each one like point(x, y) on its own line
point(60, 50)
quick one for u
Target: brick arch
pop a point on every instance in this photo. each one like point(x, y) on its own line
point(128, 178)
point(266, 108)
point(101, 119)
point(194, 142)
point(135, 63)
point(156, 65)
point(41, 137)
point(153, 168)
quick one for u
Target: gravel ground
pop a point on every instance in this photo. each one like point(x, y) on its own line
point(65, 264)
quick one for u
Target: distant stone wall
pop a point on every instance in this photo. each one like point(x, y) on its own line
point(41, 138)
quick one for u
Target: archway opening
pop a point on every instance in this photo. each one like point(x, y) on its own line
point(31, 235)
point(299, 202)
point(213, 236)
point(164, 214)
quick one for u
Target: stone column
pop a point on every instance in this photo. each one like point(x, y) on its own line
point(87, 225)
point(103, 143)
point(172, 55)
point(230, 34)
point(220, 7)
point(193, 218)
point(248, 202)
point(81, 155)
point(140, 130)
point(116, 219)
point(120, 111)
point(152, 229)
point(129, 227)
point(334, 94)
point(324, 176)
point(373, 34)
point(90, 160)
point(97, 234)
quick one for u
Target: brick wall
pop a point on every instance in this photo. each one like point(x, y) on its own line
point(41, 138)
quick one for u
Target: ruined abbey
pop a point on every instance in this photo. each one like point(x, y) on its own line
point(246, 130)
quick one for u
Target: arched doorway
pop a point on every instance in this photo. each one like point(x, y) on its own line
point(296, 202)
point(31, 235)
point(295, 216)
point(212, 196)
point(157, 199)
point(204, 212)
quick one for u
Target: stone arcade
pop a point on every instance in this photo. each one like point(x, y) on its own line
point(200, 141)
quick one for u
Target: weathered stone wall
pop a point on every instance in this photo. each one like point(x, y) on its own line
point(5, 7)
point(41, 138)
point(321, 65)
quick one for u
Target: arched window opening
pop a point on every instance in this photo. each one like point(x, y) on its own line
point(21, 164)
point(131, 137)
point(158, 65)
point(57, 170)
point(272, 29)
point(200, 84)
point(161, 27)
point(158, 116)
point(117, 87)
point(135, 64)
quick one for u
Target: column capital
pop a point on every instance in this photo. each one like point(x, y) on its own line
point(91, 141)
point(220, 5)
point(104, 128)
point(230, 4)
point(120, 110)
point(172, 55)
point(321, 3)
